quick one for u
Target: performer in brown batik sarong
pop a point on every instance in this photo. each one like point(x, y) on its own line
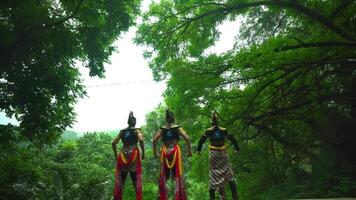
point(171, 159)
point(129, 159)
point(220, 170)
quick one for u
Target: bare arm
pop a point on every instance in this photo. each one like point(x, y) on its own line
point(201, 142)
point(233, 141)
point(186, 139)
point(114, 142)
point(140, 140)
point(154, 142)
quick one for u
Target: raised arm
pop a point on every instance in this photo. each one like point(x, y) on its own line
point(114, 142)
point(233, 141)
point(201, 142)
point(154, 142)
point(140, 141)
point(186, 139)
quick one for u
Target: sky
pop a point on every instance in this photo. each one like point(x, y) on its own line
point(128, 85)
point(107, 107)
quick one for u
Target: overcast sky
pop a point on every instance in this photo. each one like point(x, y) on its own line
point(128, 85)
point(107, 107)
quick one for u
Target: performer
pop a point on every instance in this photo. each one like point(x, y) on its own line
point(171, 160)
point(220, 171)
point(129, 159)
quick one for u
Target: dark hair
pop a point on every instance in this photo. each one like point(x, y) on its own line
point(214, 119)
point(132, 120)
point(169, 116)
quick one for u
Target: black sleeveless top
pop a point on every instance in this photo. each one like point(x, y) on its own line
point(170, 133)
point(216, 134)
point(129, 136)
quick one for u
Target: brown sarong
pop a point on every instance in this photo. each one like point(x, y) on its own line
point(220, 170)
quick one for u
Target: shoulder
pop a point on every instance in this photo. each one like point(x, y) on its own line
point(209, 129)
point(135, 129)
point(138, 131)
point(222, 128)
point(170, 127)
point(119, 133)
point(176, 126)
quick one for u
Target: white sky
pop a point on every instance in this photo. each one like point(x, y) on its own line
point(128, 85)
point(107, 107)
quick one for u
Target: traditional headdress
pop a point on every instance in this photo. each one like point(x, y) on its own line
point(169, 116)
point(214, 119)
point(132, 120)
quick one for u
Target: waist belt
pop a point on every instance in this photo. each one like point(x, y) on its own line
point(211, 147)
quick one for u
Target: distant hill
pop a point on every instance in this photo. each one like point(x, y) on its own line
point(70, 135)
point(112, 133)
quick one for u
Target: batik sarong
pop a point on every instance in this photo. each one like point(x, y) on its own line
point(220, 170)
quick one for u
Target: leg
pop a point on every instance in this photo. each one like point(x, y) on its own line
point(169, 173)
point(212, 194)
point(133, 179)
point(232, 185)
point(123, 178)
point(222, 193)
point(172, 189)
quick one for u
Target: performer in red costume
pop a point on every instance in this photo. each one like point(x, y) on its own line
point(220, 170)
point(171, 158)
point(129, 159)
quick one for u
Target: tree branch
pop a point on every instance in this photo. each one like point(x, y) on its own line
point(328, 44)
point(296, 105)
point(319, 18)
point(340, 8)
point(64, 19)
point(287, 144)
point(283, 4)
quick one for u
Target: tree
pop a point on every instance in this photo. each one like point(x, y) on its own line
point(286, 87)
point(41, 43)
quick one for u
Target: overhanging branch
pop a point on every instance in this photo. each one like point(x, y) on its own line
point(328, 44)
point(61, 21)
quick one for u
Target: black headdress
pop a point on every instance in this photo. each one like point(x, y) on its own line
point(169, 116)
point(132, 120)
point(214, 119)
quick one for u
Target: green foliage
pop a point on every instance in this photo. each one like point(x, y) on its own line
point(285, 90)
point(154, 120)
point(41, 42)
point(69, 135)
point(72, 169)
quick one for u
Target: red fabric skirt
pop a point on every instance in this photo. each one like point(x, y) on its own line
point(171, 159)
point(122, 162)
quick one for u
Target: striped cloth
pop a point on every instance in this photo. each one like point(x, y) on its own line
point(127, 152)
point(220, 171)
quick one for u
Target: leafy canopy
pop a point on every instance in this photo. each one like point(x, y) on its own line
point(41, 42)
point(285, 89)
